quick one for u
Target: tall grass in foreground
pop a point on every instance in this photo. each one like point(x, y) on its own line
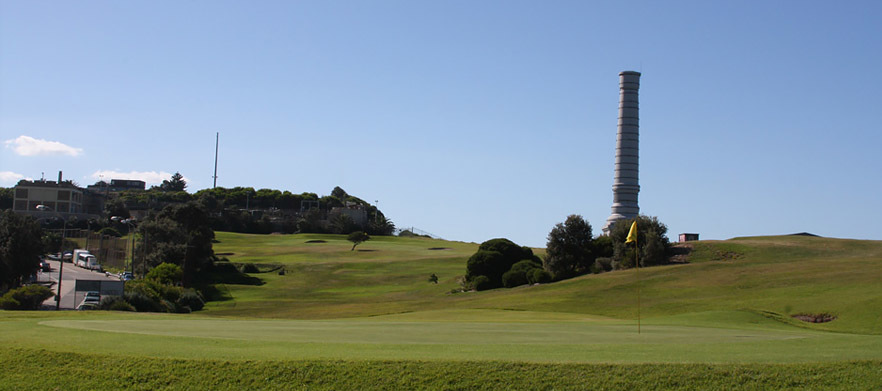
point(40, 369)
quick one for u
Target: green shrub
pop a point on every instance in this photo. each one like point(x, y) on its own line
point(149, 288)
point(495, 257)
point(225, 267)
point(526, 265)
point(115, 303)
point(28, 297)
point(191, 299)
point(481, 283)
point(538, 276)
point(107, 301)
point(8, 303)
point(172, 293)
point(603, 265)
point(166, 273)
point(513, 278)
point(167, 306)
point(483, 263)
point(142, 302)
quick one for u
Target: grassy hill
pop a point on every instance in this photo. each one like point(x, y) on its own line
point(370, 319)
point(783, 275)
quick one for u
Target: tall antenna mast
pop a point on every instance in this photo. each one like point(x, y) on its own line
point(216, 143)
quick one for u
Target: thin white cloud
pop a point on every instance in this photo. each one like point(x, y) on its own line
point(9, 177)
point(150, 177)
point(29, 146)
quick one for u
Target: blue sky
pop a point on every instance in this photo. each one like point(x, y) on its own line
point(466, 119)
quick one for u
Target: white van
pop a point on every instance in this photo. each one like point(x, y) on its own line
point(88, 261)
point(76, 254)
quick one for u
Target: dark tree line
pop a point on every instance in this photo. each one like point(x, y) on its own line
point(572, 250)
point(179, 234)
point(246, 210)
point(21, 244)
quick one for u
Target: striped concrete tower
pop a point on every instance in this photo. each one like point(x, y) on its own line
point(626, 184)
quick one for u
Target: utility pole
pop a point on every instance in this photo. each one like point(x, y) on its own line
point(216, 144)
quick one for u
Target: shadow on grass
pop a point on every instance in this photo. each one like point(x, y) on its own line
point(212, 281)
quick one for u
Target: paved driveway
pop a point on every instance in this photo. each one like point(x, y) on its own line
point(71, 273)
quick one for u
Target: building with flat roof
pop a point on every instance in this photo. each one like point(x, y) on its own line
point(688, 237)
point(60, 196)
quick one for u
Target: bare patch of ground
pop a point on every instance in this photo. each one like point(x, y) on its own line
point(815, 318)
point(680, 253)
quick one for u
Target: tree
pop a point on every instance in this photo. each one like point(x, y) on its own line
point(7, 195)
point(652, 242)
point(166, 273)
point(570, 249)
point(339, 193)
point(381, 226)
point(116, 207)
point(21, 243)
point(176, 183)
point(342, 224)
point(180, 234)
point(357, 237)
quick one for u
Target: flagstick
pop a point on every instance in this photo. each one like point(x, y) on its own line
point(637, 265)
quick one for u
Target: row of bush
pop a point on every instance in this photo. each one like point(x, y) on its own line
point(156, 292)
point(28, 297)
point(571, 251)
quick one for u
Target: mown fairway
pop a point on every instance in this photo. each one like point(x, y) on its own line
point(370, 319)
point(484, 335)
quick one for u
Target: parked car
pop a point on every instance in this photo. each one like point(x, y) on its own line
point(87, 306)
point(92, 297)
point(67, 256)
point(126, 276)
point(44, 265)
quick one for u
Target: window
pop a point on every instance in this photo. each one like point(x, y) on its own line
point(64, 195)
point(21, 193)
point(21, 205)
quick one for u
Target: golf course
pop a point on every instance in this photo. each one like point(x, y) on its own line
point(739, 314)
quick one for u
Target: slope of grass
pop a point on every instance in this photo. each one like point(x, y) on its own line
point(784, 275)
point(341, 319)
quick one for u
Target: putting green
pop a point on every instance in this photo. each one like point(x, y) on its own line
point(463, 335)
point(378, 332)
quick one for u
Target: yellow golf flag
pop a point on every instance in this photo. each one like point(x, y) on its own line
point(632, 234)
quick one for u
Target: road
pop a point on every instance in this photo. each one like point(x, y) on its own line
point(71, 273)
